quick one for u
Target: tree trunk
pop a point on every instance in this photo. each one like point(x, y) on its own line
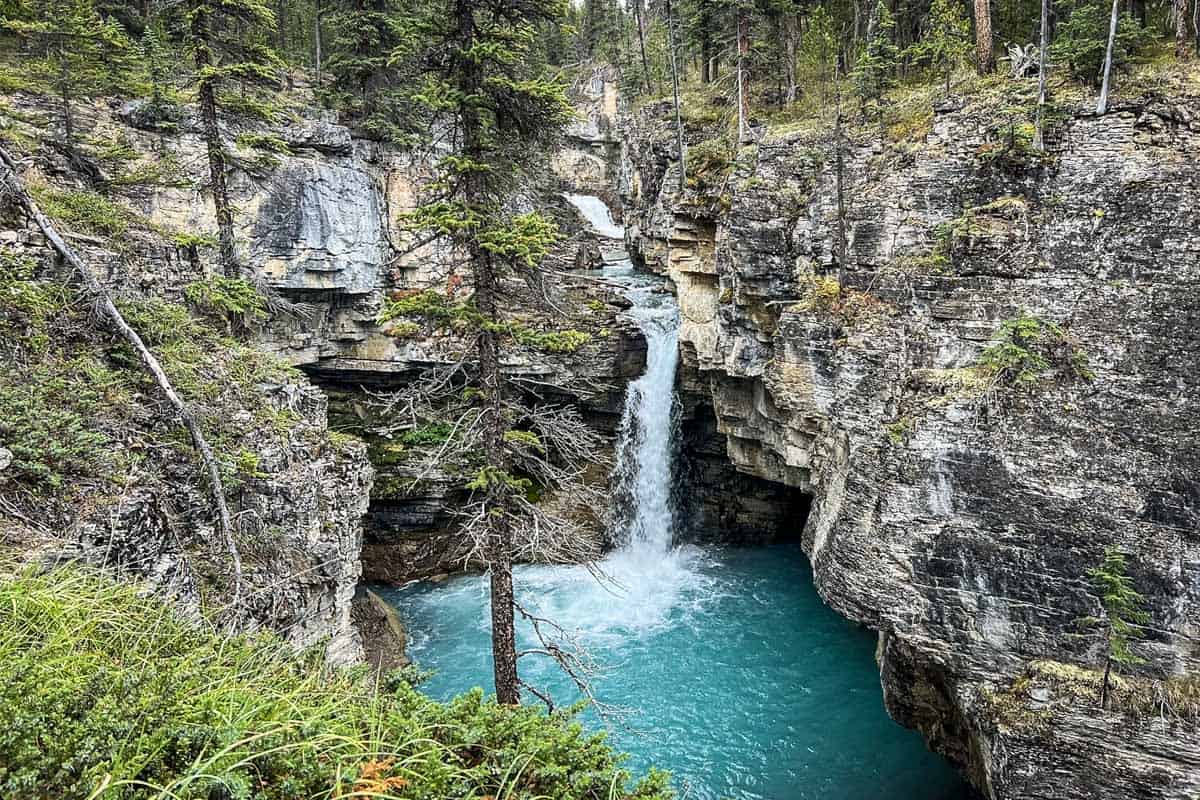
point(743, 99)
point(1104, 684)
point(317, 41)
point(491, 378)
point(216, 153)
point(9, 177)
point(1041, 101)
point(791, 42)
point(1196, 25)
point(64, 99)
point(678, 116)
point(1181, 49)
point(640, 13)
point(281, 21)
point(839, 169)
point(1102, 103)
point(983, 36)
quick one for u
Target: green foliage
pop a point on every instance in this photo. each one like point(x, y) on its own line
point(564, 341)
point(947, 43)
point(525, 439)
point(85, 212)
point(104, 688)
point(230, 299)
point(875, 70)
point(267, 142)
point(1081, 41)
point(1123, 606)
point(433, 433)
point(188, 239)
point(1026, 349)
point(899, 431)
point(524, 241)
point(73, 50)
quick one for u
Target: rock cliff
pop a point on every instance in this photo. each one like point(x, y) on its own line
point(954, 510)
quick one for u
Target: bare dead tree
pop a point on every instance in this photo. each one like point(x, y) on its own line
point(1041, 101)
point(12, 185)
point(1102, 103)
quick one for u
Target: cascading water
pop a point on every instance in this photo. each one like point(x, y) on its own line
point(747, 687)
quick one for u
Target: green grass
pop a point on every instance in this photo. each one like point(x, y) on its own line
point(107, 695)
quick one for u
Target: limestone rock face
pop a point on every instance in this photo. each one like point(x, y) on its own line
point(955, 515)
point(319, 226)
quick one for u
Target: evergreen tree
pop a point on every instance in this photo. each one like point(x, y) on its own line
point(875, 71)
point(947, 42)
point(1123, 612)
point(364, 78)
point(502, 109)
point(227, 42)
point(74, 51)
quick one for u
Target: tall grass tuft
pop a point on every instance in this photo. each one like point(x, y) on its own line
point(105, 694)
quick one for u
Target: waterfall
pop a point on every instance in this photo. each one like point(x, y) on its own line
point(597, 214)
point(644, 470)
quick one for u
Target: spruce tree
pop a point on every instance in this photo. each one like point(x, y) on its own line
point(227, 39)
point(502, 109)
point(74, 51)
point(1123, 612)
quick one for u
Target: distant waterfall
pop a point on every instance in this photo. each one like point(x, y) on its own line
point(644, 470)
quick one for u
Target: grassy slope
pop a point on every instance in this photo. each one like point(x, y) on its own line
point(107, 695)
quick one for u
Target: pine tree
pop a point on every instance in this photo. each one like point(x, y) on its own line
point(74, 51)
point(948, 41)
point(502, 109)
point(875, 71)
point(227, 42)
point(1123, 612)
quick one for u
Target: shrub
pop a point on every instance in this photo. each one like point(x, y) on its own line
point(107, 695)
point(231, 299)
point(1027, 349)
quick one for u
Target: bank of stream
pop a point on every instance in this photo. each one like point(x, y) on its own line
point(721, 665)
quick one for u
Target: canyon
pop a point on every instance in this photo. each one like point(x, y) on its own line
point(834, 309)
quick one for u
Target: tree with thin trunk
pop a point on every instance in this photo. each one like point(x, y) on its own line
point(225, 39)
point(1040, 118)
point(1102, 103)
point(481, 81)
point(1181, 23)
point(1124, 612)
point(743, 90)
point(680, 148)
point(639, 12)
point(983, 37)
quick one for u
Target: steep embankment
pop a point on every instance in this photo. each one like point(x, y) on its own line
point(86, 466)
point(962, 491)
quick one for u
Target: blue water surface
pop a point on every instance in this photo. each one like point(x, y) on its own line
point(747, 686)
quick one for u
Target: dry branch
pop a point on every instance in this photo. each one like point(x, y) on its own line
point(11, 181)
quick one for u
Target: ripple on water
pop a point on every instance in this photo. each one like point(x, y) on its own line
point(748, 687)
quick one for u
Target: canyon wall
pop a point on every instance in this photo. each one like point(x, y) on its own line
point(953, 511)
